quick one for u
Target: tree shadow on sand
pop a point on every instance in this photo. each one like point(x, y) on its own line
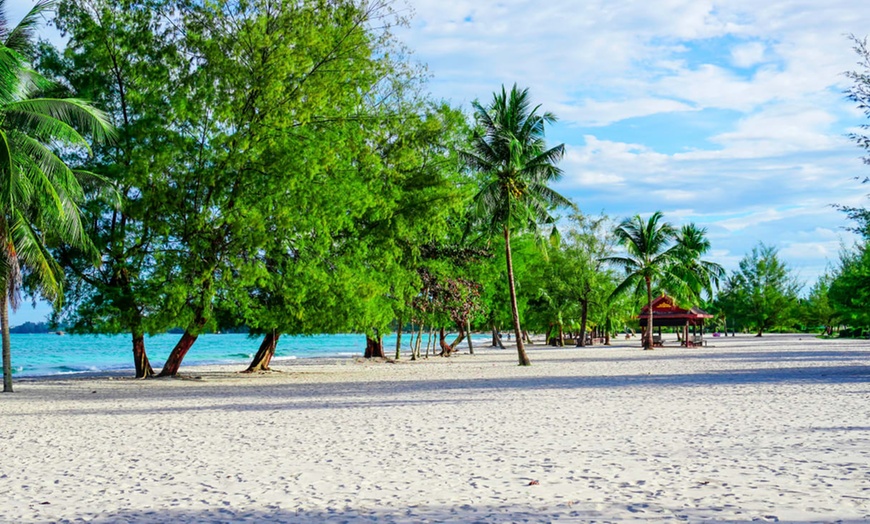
point(466, 513)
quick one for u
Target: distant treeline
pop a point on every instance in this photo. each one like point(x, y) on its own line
point(31, 327)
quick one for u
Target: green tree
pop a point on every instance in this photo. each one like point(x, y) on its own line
point(819, 308)
point(574, 283)
point(697, 274)
point(590, 242)
point(649, 260)
point(510, 153)
point(121, 56)
point(38, 190)
point(849, 291)
point(264, 79)
point(762, 293)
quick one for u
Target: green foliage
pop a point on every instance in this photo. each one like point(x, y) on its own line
point(515, 167)
point(574, 286)
point(650, 258)
point(849, 291)
point(39, 192)
point(124, 58)
point(762, 294)
point(818, 309)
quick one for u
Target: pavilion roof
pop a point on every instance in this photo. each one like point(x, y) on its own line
point(667, 313)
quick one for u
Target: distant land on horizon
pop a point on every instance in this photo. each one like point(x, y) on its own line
point(30, 328)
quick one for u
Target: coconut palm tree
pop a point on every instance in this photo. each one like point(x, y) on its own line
point(699, 275)
point(650, 259)
point(38, 191)
point(510, 153)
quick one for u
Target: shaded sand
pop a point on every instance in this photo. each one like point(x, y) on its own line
point(772, 429)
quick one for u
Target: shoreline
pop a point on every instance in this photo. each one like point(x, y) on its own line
point(280, 363)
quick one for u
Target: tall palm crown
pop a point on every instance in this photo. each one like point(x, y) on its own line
point(698, 274)
point(509, 149)
point(510, 153)
point(650, 257)
point(38, 191)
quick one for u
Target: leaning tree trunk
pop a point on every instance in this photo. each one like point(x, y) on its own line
point(375, 346)
point(140, 358)
point(447, 349)
point(521, 349)
point(173, 363)
point(496, 338)
point(648, 340)
point(264, 355)
point(7, 345)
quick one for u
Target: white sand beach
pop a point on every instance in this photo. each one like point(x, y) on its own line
point(746, 429)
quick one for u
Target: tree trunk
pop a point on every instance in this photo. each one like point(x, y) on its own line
point(447, 349)
point(7, 345)
point(648, 341)
point(515, 314)
point(561, 336)
point(416, 354)
point(140, 358)
point(264, 355)
point(375, 347)
point(759, 333)
point(459, 337)
point(399, 339)
point(584, 316)
point(468, 329)
point(173, 363)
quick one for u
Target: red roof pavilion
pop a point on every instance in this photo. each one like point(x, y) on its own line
point(666, 313)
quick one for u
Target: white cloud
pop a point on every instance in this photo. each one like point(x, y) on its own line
point(748, 55)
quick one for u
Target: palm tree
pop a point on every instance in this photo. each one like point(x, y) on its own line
point(698, 275)
point(650, 258)
point(509, 151)
point(38, 191)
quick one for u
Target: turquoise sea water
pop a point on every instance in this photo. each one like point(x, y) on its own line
point(51, 354)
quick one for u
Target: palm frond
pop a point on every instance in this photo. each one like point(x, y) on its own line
point(21, 38)
point(71, 111)
point(32, 252)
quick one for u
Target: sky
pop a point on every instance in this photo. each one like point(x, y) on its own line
point(731, 115)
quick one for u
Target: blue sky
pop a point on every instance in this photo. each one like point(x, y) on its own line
point(727, 114)
point(730, 115)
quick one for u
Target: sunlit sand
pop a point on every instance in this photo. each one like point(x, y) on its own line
point(768, 429)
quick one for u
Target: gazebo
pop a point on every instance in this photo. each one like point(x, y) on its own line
point(666, 313)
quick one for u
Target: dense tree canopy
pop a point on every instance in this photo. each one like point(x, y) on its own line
point(280, 168)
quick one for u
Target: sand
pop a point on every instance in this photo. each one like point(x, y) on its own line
point(746, 429)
